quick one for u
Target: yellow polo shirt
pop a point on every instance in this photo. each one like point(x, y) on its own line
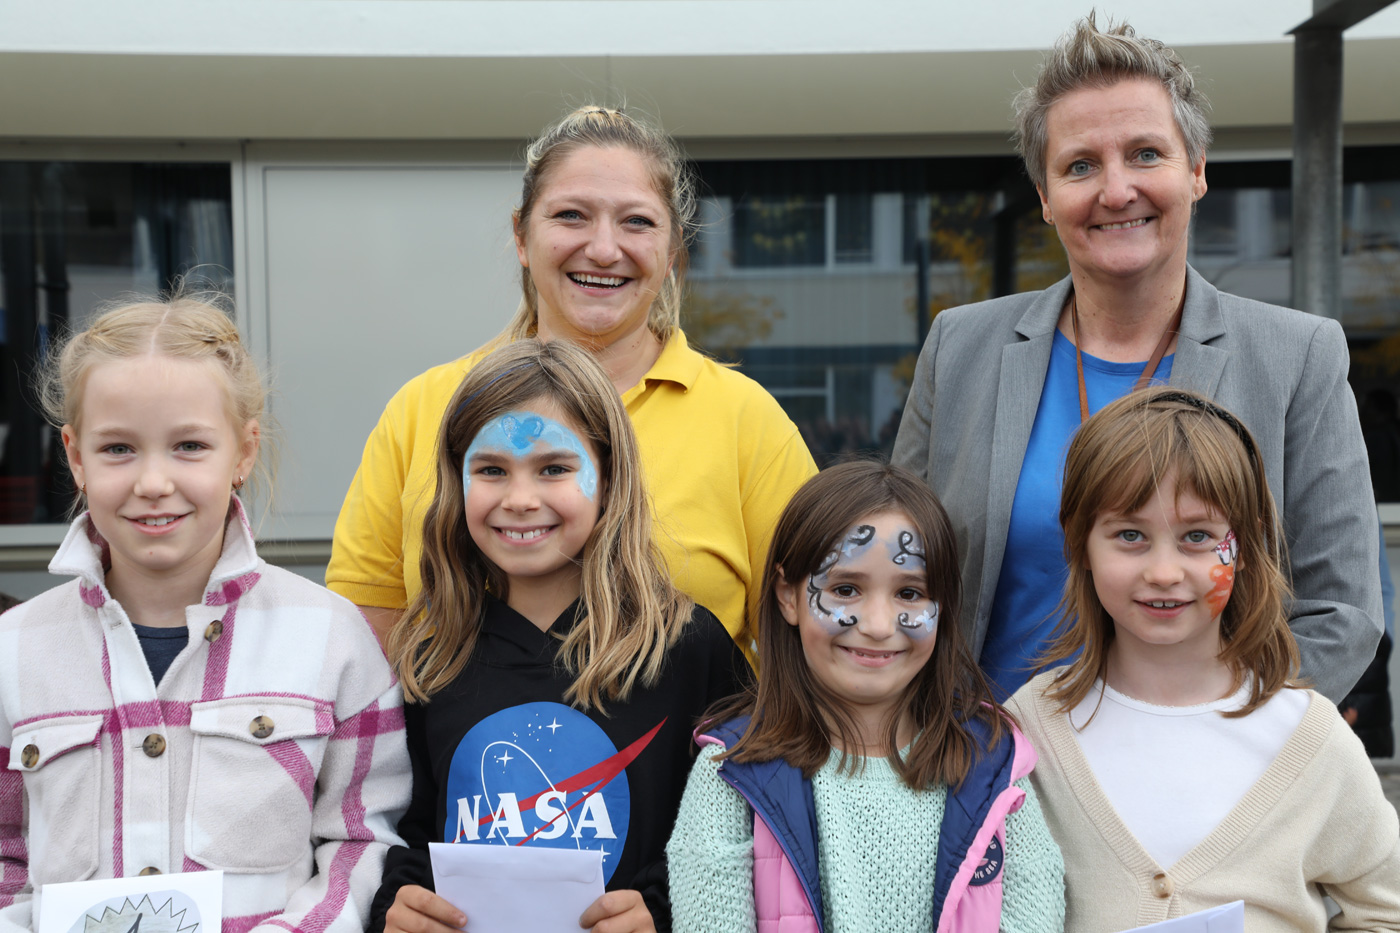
point(721, 459)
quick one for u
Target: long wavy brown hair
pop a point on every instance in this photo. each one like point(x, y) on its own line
point(1115, 465)
point(795, 718)
point(631, 611)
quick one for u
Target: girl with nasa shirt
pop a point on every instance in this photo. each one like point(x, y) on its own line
point(870, 784)
point(552, 672)
point(1181, 766)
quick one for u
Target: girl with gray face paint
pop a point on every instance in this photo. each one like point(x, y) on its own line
point(870, 725)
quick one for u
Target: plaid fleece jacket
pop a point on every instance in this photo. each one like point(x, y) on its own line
point(273, 748)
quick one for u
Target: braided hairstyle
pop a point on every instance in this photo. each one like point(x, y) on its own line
point(183, 326)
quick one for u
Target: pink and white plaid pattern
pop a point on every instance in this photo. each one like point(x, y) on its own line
point(299, 818)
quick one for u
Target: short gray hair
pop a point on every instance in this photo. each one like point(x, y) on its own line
point(1087, 57)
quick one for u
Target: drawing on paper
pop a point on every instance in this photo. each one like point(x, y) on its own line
point(160, 912)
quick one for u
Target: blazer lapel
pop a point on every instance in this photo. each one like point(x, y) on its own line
point(1197, 365)
point(1023, 368)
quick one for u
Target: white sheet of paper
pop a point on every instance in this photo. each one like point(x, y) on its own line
point(517, 889)
point(187, 902)
point(1228, 918)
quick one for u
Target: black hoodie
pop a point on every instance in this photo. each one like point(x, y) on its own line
point(499, 757)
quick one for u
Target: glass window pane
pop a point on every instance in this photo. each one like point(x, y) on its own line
point(780, 231)
point(73, 235)
point(826, 295)
point(1213, 231)
point(854, 243)
point(821, 276)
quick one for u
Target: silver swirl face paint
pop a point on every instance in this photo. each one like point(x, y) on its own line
point(868, 623)
point(923, 623)
point(838, 593)
point(853, 543)
point(908, 549)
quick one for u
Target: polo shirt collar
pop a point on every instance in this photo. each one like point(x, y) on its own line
point(677, 363)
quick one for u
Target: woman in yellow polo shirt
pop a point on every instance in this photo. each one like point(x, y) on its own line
point(601, 236)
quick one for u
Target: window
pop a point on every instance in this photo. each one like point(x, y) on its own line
point(73, 235)
point(1214, 231)
point(854, 234)
point(776, 232)
point(810, 274)
point(821, 276)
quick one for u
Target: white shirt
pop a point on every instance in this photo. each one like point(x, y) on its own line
point(1173, 773)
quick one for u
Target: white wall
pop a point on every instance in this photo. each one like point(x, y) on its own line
point(359, 277)
point(622, 28)
point(709, 69)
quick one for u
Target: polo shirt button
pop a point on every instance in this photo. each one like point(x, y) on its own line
point(154, 745)
point(1162, 885)
point(214, 630)
point(150, 870)
point(261, 727)
point(29, 757)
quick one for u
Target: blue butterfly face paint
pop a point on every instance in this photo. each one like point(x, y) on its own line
point(518, 433)
point(531, 495)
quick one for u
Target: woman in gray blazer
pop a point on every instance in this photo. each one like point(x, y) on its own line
point(1114, 136)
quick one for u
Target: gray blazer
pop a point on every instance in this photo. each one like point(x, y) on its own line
point(1284, 373)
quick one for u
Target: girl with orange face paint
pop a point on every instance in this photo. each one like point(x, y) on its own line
point(1176, 734)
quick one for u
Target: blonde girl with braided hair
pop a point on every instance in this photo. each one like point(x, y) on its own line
point(140, 702)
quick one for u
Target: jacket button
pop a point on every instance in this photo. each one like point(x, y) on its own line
point(149, 870)
point(214, 630)
point(1162, 885)
point(153, 745)
point(29, 757)
point(261, 727)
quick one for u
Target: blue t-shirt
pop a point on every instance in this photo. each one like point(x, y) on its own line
point(161, 646)
point(1033, 569)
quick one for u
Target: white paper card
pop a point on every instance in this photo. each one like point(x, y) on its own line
point(516, 889)
point(1228, 918)
point(187, 902)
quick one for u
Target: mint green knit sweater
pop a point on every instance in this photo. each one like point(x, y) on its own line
point(877, 845)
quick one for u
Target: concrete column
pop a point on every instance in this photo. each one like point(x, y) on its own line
point(1317, 170)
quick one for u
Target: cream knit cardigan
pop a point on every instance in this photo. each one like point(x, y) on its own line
point(1316, 822)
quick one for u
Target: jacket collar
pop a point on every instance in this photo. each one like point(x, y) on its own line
point(1200, 314)
point(84, 554)
point(1044, 313)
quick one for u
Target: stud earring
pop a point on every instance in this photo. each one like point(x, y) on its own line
point(83, 489)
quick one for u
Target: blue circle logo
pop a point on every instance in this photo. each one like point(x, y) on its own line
point(541, 774)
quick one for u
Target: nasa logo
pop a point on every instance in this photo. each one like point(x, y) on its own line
point(989, 867)
point(541, 774)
